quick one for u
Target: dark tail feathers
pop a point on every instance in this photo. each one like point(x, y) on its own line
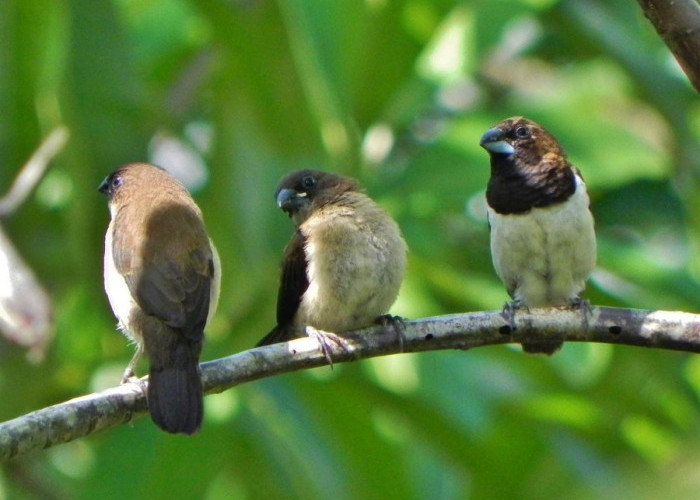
point(175, 396)
point(548, 347)
point(277, 335)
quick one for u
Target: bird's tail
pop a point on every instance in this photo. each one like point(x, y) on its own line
point(175, 396)
point(278, 334)
point(548, 347)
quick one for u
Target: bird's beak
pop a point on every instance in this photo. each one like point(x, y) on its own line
point(290, 200)
point(494, 141)
point(104, 186)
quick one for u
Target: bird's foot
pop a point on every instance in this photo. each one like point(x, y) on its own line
point(128, 375)
point(508, 313)
point(584, 306)
point(129, 370)
point(396, 322)
point(547, 347)
point(578, 303)
point(130, 378)
point(324, 340)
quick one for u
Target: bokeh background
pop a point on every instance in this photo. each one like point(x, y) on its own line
point(233, 94)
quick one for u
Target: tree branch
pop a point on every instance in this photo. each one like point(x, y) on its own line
point(95, 412)
point(678, 24)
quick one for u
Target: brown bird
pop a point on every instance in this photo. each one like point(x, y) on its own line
point(543, 243)
point(161, 275)
point(344, 265)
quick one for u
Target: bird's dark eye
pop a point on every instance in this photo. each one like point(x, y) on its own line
point(308, 182)
point(115, 182)
point(522, 132)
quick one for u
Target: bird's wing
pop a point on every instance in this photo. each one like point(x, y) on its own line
point(294, 280)
point(168, 270)
point(293, 284)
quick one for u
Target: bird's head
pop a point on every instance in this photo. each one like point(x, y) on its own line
point(111, 184)
point(302, 192)
point(141, 182)
point(526, 140)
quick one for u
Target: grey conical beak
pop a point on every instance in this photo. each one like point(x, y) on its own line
point(494, 141)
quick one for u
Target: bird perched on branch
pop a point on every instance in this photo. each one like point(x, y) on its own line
point(543, 243)
point(344, 265)
point(161, 275)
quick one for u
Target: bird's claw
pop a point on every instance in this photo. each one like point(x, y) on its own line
point(128, 375)
point(396, 322)
point(547, 347)
point(133, 379)
point(324, 340)
point(584, 306)
point(129, 370)
point(508, 312)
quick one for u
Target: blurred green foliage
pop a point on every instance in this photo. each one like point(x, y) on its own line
point(397, 94)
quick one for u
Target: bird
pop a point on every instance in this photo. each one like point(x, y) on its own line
point(162, 276)
point(344, 265)
point(543, 242)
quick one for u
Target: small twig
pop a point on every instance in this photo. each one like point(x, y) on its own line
point(86, 415)
point(32, 172)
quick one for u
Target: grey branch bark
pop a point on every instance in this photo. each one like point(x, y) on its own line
point(678, 24)
point(86, 415)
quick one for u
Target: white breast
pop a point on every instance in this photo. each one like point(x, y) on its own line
point(117, 291)
point(545, 256)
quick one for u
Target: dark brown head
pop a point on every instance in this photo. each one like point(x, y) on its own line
point(528, 167)
point(525, 139)
point(302, 192)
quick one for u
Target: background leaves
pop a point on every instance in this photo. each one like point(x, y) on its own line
point(232, 94)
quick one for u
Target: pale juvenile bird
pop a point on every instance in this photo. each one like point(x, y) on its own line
point(543, 242)
point(162, 276)
point(344, 265)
